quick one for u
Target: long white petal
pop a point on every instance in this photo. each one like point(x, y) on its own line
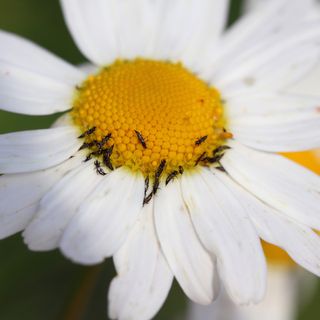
point(27, 151)
point(279, 132)
point(144, 277)
point(92, 26)
point(102, 223)
point(190, 263)
point(300, 241)
point(175, 30)
point(32, 80)
point(280, 183)
point(58, 207)
point(20, 195)
point(226, 231)
point(266, 104)
point(274, 18)
point(185, 29)
point(280, 302)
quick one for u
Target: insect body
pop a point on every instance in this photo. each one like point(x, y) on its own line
point(147, 199)
point(87, 133)
point(86, 145)
point(171, 176)
point(101, 143)
point(220, 168)
point(141, 139)
point(160, 168)
point(201, 140)
point(217, 154)
point(146, 186)
point(98, 168)
point(220, 149)
point(106, 157)
point(202, 157)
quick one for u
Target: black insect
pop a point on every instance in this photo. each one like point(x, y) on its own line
point(181, 170)
point(220, 149)
point(141, 139)
point(98, 168)
point(160, 169)
point(220, 168)
point(171, 176)
point(100, 144)
point(155, 186)
point(202, 157)
point(86, 145)
point(147, 199)
point(214, 159)
point(106, 157)
point(79, 87)
point(87, 133)
point(146, 186)
point(89, 157)
point(201, 140)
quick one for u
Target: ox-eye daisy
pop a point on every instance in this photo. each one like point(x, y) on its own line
point(166, 159)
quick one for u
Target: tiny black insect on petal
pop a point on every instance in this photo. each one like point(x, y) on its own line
point(181, 170)
point(214, 159)
point(220, 149)
point(220, 168)
point(201, 140)
point(98, 168)
point(87, 133)
point(155, 186)
point(141, 139)
point(101, 143)
point(146, 186)
point(160, 168)
point(89, 157)
point(147, 199)
point(202, 157)
point(87, 145)
point(171, 176)
point(106, 157)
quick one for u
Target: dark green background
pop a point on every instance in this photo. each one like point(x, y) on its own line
point(40, 286)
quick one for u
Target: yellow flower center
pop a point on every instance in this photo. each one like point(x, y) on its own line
point(149, 112)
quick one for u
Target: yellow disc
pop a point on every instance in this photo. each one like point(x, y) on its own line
point(154, 111)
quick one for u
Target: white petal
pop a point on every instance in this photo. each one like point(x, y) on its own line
point(144, 278)
point(190, 263)
point(226, 231)
point(266, 104)
point(106, 30)
point(300, 242)
point(20, 195)
point(277, 181)
point(282, 299)
point(38, 149)
point(280, 302)
point(274, 18)
point(279, 132)
point(277, 69)
point(102, 223)
point(32, 80)
point(185, 28)
point(59, 206)
point(92, 26)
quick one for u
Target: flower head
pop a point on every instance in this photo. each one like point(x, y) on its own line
point(166, 158)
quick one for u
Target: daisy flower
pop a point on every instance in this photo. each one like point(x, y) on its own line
point(166, 156)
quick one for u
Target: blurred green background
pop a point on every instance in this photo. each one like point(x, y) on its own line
point(40, 286)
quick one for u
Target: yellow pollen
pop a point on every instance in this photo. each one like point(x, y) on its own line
point(154, 111)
